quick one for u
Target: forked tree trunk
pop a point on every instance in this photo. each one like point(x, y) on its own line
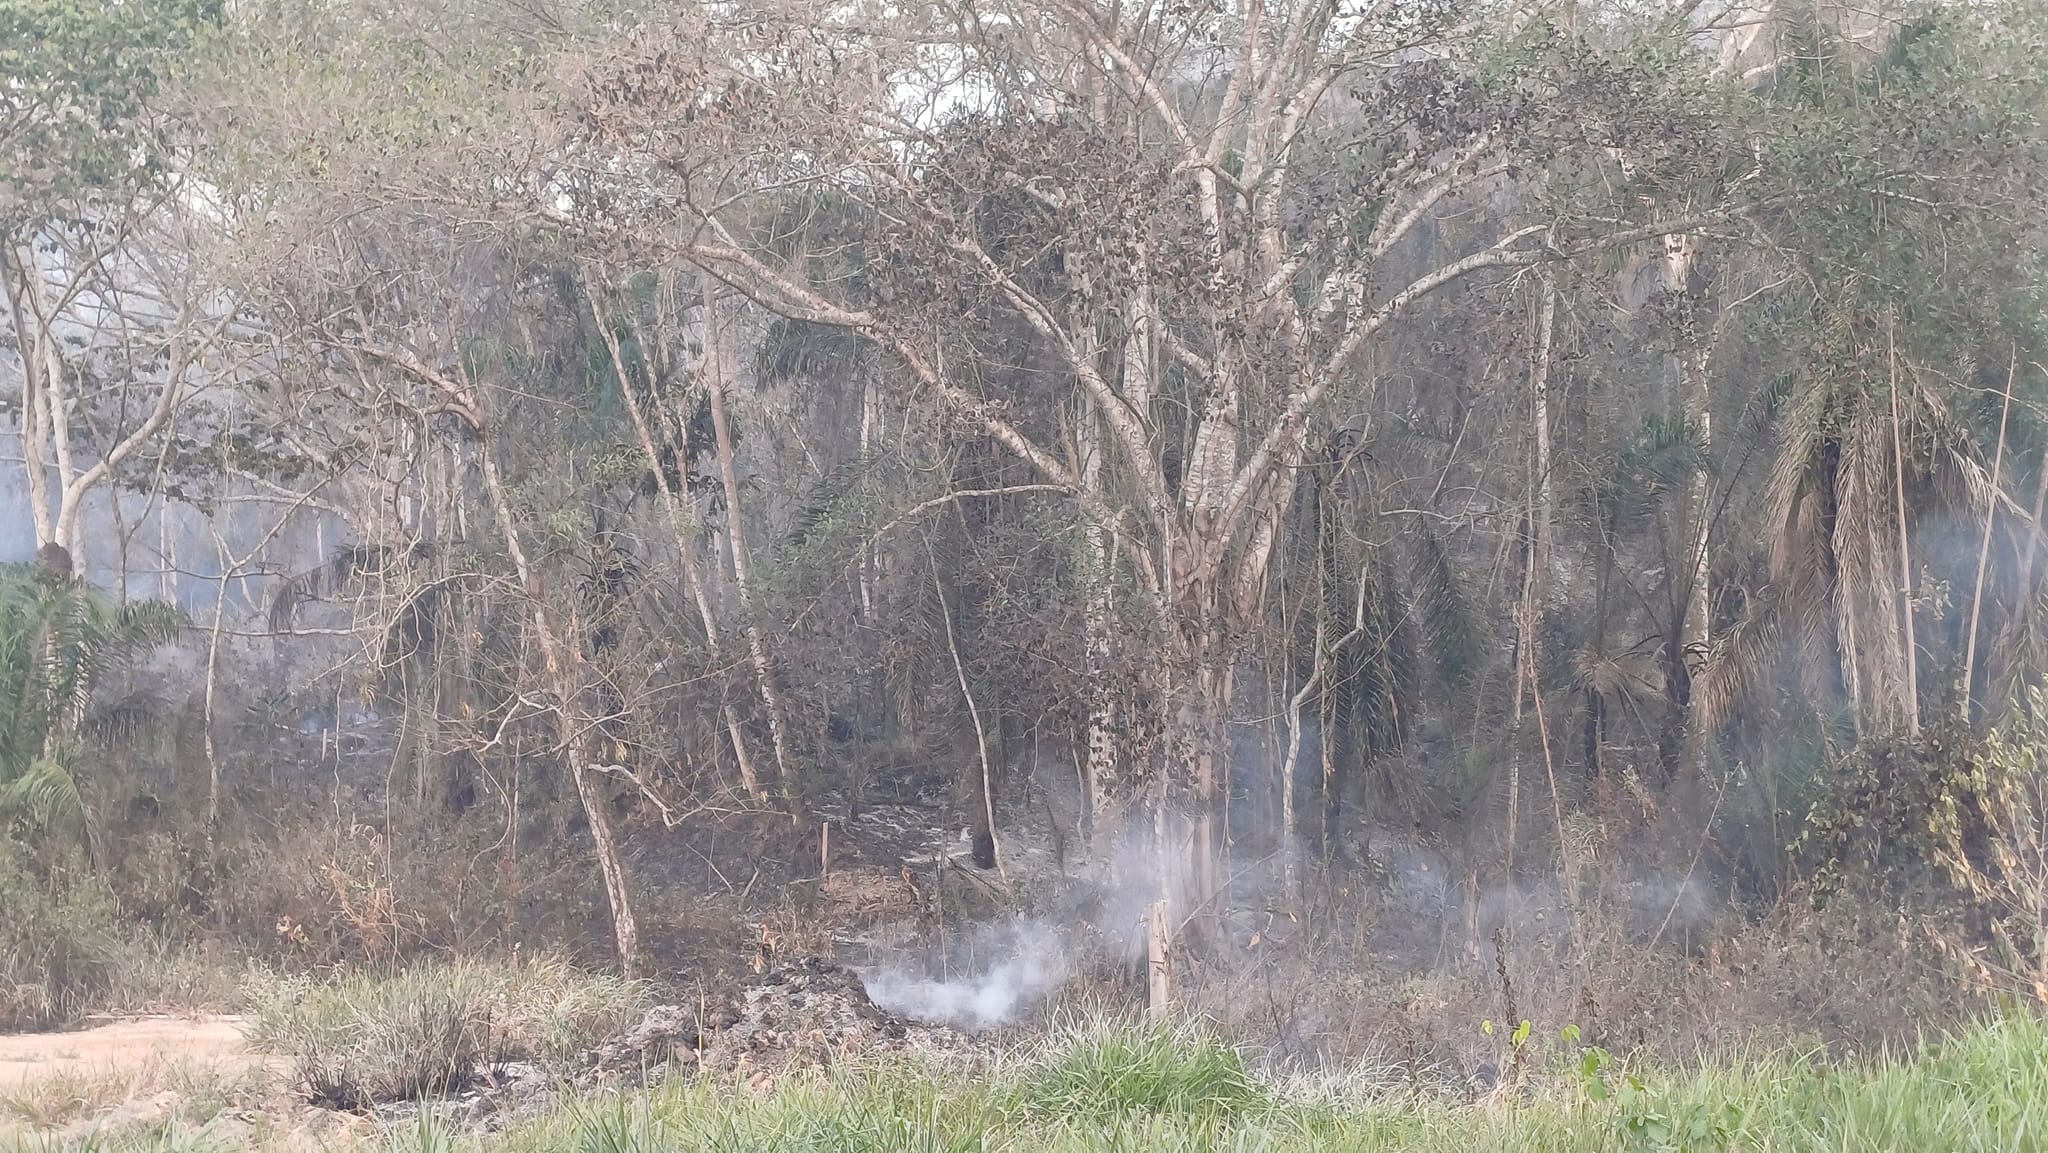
point(671, 502)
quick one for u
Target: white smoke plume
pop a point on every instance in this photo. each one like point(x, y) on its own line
point(1029, 962)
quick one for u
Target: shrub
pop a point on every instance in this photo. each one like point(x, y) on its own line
point(1991, 838)
point(59, 943)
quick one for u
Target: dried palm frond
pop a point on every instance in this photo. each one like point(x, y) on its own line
point(1743, 661)
point(1631, 675)
point(331, 579)
point(1450, 625)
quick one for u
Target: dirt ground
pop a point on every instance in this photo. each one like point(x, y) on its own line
point(145, 1074)
point(126, 1046)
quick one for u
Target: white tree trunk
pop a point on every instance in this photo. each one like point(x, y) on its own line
point(1681, 254)
point(672, 504)
point(1101, 769)
point(1546, 479)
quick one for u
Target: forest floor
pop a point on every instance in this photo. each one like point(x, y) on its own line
point(1368, 1013)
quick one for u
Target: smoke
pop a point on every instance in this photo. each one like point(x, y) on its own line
point(1029, 961)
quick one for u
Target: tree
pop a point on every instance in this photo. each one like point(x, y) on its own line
point(111, 327)
point(1201, 224)
point(1893, 410)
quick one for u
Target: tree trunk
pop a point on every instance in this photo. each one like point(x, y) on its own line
point(686, 550)
point(716, 383)
point(1911, 645)
point(1984, 549)
point(980, 775)
point(1290, 765)
point(625, 927)
point(1101, 770)
point(571, 723)
point(1539, 419)
point(17, 278)
point(1691, 634)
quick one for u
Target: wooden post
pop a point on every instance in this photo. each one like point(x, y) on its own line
point(1159, 958)
point(824, 849)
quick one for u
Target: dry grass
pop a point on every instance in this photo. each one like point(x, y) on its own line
point(158, 1088)
point(359, 1039)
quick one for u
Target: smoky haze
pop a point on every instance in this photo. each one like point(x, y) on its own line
point(1027, 960)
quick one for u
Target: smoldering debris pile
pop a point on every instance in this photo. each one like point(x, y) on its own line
point(808, 1014)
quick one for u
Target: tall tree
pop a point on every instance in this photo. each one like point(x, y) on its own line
point(1201, 223)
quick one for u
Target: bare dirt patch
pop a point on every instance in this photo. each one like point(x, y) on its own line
point(124, 1046)
point(135, 1074)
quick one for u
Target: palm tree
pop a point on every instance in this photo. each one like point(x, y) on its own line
point(59, 640)
point(1890, 418)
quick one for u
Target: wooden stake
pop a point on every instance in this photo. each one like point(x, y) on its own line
point(1984, 552)
point(1159, 956)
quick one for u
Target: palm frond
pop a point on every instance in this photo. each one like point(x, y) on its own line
point(1631, 675)
point(329, 580)
point(150, 622)
point(1741, 666)
point(1800, 443)
point(1451, 624)
point(45, 794)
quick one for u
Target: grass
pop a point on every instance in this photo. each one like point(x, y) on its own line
point(357, 1039)
point(1115, 1088)
point(201, 1092)
point(1110, 1071)
point(1125, 1089)
point(59, 943)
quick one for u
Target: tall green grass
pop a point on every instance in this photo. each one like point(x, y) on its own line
point(1173, 1089)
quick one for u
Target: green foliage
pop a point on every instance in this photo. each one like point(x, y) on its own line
point(60, 942)
point(1977, 1092)
point(1653, 1125)
point(428, 1133)
point(1870, 817)
point(1110, 1070)
point(59, 640)
point(76, 80)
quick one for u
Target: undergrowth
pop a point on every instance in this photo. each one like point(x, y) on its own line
point(357, 1039)
point(60, 942)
